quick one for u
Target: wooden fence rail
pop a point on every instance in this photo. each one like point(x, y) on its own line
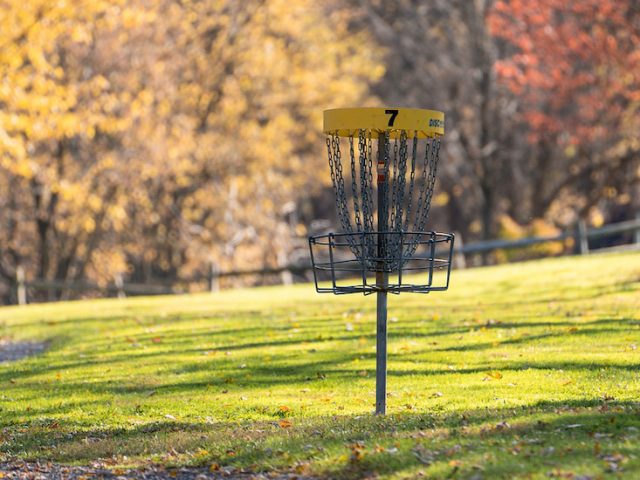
point(581, 235)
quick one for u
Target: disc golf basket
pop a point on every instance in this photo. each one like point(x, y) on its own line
point(383, 246)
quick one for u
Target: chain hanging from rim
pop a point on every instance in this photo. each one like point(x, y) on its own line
point(406, 171)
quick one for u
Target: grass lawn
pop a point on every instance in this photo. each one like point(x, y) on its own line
point(520, 371)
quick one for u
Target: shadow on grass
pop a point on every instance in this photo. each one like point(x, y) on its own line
point(302, 366)
point(311, 374)
point(582, 437)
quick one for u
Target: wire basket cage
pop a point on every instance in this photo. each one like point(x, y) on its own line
point(382, 209)
point(420, 264)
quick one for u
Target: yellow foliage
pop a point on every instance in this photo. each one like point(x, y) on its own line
point(171, 131)
point(509, 229)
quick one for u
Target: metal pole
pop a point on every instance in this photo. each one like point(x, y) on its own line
point(381, 283)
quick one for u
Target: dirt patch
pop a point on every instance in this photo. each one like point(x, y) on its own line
point(11, 351)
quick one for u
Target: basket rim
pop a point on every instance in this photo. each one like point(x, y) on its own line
point(415, 122)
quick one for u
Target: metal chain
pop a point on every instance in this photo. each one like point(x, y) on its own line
point(432, 151)
point(394, 184)
point(371, 245)
point(435, 153)
point(354, 187)
point(365, 189)
point(342, 205)
point(397, 195)
point(370, 168)
point(402, 166)
point(341, 196)
point(392, 215)
point(414, 154)
point(383, 209)
point(333, 178)
point(423, 186)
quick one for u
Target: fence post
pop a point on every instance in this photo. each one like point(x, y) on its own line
point(286, 277)
point(581, 239)
point(213, 277)
point(21, 289)
point(120, 286)
point(459, 260)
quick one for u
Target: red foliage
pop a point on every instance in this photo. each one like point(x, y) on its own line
point(575, 65)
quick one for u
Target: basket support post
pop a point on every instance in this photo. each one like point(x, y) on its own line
point(381, 282)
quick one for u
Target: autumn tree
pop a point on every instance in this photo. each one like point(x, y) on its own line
point(250, 85)
point(441, 55)
point(147, 138)
point(576, 68)
point(63, 113)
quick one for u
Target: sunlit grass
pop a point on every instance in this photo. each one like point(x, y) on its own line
point(525, 370)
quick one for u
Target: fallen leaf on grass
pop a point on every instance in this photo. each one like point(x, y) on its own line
point(566, 382)
point(496, 375)
point(284, 408)
point(357, 452)
point(363, 373)
point(284, 423)
point(301, 468)
point(156, 340)
point(169, 416)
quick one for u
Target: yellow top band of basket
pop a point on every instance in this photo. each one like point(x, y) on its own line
point(347, 121)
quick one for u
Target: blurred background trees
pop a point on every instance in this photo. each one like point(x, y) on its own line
point(149, 139)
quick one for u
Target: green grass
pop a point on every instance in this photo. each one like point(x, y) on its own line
point(520, 371)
